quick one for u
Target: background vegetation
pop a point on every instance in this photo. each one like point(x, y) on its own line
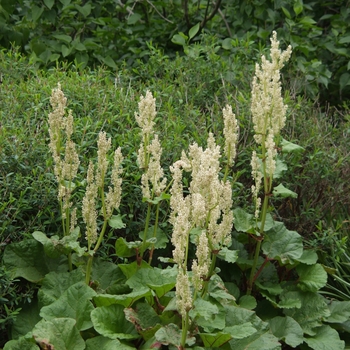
point(106, 54)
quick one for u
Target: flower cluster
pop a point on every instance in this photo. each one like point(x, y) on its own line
point(268, 112)
point(66, 167)
point(231, 133)
point(150, 150)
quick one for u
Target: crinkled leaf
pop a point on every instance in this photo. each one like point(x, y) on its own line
point(130, 269)
point(161, 238)
point(228, 255)
point(311, 313)
point(262, 340)
point(110, 322)
point(159, 280)
point(309, 257)
point(60, 333)
point(123, 299)
point(104, 343)
point(247, 302)
point(215, 340)
point(290, 300)
point(311, 277)
point(27, 318)
point(287, 329)
point(289, 147)
point(281, 167)
point(340, 311)
point(325, 338)
point(27, 259)
point(243, 220)
point(282, 244)
point(171, 334)
point(74, 303)
point(126, 249)
point(240, 331)
point(210, 323)
point(204, 308)
point(56, 283)
point(106, 273)
point(116, 222)
point(281, 191)
point(22, 343)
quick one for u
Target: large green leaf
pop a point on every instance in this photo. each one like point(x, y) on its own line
point(311, 277)
point(215, 340)
point(289, 147)
point(27, 259)
point(210, 315)
point(159, 280)
point(106, 273)
point(312, 311)
point(74, 303)
point(124, 299)
point(241, 331)
point(22, 343)
point(228, 255)
point(60, 333)
point(171, 334)
point(282, 244)
point(325, 338)
point(204, 308)
point(110, 322)
point(56, 283)
point(287, 329)
point(27, 318)
point(243, 221)
point(104, 343)
point(340, 311)
point(161, 238)
point(281, 191)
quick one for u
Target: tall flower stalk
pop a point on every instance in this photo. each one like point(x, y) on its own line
point(207, 210)
point(269, 116)
point(153, 181)
point(66, 159)
point(95, 191)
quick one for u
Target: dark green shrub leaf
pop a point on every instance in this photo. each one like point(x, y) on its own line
point(286, 12)
point(74, 303)
point(311, 277)
point(135, 17)
point(36, 12)
point(344, 80)
point(298, 7)
point(60, 333)
point(84, 10)
point(308, 21)
point(49, 3)
point(179, 40)
point(62, 37)
point(193, 31)
point(287, 329)
point(326, 338)
point(110, 322)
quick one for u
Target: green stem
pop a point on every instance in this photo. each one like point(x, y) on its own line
point(185, 323)
point(154, 233)
point(88, 269)
point(143, 248)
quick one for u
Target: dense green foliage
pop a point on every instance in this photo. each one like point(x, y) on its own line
point(106, 32)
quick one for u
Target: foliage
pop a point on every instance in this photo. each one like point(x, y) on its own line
point(258, 293)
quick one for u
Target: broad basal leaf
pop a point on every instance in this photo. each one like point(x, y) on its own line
point(101, 342)
point(287, 329)
point(309, 257)
point(228, 255)
point(340, 311)
point(243, 221)
point(161, 238)
point(282, 244)
point(171, 334)
point(215, 340)
point(106, 273)
point(27, 259)
point(311, 277)
point(312, 312)
point(59, 333)
point(110, 322)
point(123, 299)
point(56, 283)
point(74, 303)
point(159, 280)
point(326, 338)
point(241, 331)
point(21, 344)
